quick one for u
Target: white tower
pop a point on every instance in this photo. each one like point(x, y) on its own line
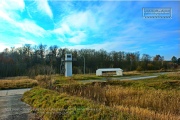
point(68, 65)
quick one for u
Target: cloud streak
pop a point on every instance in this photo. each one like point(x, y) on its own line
point(105, 25)
point(44, 7)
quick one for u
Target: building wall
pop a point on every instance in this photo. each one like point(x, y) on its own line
point(68, 69)
point(118, 72)
point(68, 65)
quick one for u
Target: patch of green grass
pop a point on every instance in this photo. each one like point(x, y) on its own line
point(77, 77)
point(52, 106)
point(61, 80)
point(85, 77)
point(172, 76)
point(153, 83)
point(164, 82)
point(137, 73)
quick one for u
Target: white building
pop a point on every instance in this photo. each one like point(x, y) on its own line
point(111, 71)
point(68, 65)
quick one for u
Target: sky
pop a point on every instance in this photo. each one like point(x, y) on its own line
point(109, 25)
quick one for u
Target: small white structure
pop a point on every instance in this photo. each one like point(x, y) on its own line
point(118, 71)
point(68, 65)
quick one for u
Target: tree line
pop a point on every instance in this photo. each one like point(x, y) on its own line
point(40, 59)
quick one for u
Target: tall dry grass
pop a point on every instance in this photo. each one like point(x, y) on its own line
point(15, 83)
point(156, 103)
point(50, 105)
point(146, 114)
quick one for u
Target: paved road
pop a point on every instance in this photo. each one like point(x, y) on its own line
point(136, 78)
point(11, 106)
point(120, 78)
point(154, 75)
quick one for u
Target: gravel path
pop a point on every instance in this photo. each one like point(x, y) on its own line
point(11, 106)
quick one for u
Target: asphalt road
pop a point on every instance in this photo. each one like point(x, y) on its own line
point(11, 106)
point(138, 78)
point(154, 75)
point(120, 78)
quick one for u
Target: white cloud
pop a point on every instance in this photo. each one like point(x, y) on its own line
point(109, 46)
point(3, 46)
point(62, 30)
point(5, 16)
point(78, 37)
point(73, 27)
point(66, 34)
point(115, 44)
point(30, 27)
point(79, 20)
point(26, 41)
point(44, 7)
point(25, 26)
point(8, 13)
point(12, 4)
point(20, 41)
point(8, 9)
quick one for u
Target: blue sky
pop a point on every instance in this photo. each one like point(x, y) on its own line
point(108, 25)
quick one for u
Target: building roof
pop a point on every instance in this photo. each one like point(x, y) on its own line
point(109, 69)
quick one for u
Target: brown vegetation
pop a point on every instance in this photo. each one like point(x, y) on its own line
point(157, 101)
point(50, 105)
point(156, 98)
point(14, 83)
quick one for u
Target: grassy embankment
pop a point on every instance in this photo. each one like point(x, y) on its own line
point(17, 82)
point(25, 82)
point(50, 105)
point(170, 81)
point(157, 98)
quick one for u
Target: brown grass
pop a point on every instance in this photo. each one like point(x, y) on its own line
point(16, 78)
point(50, 105)
point(129, 73)
point(11, 84)
point(155, 104)
point(144, 114)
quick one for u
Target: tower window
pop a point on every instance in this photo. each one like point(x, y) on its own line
point(68, 56)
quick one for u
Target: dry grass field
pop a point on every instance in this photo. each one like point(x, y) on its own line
point(151, 99)
point(15, 83)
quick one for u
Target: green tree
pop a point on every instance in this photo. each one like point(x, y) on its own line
point(158, 61)
point(174, 59)
point(178, 61)
point(145, 60)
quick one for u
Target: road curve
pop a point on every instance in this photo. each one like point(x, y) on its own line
point(11, 106)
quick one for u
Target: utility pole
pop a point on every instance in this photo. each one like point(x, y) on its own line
point(84, 64)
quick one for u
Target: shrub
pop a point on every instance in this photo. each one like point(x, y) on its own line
point(44, 81)
point(139, 68)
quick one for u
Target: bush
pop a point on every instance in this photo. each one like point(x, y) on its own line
point(40, 70)
point(44, 81)
point(139, 68)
